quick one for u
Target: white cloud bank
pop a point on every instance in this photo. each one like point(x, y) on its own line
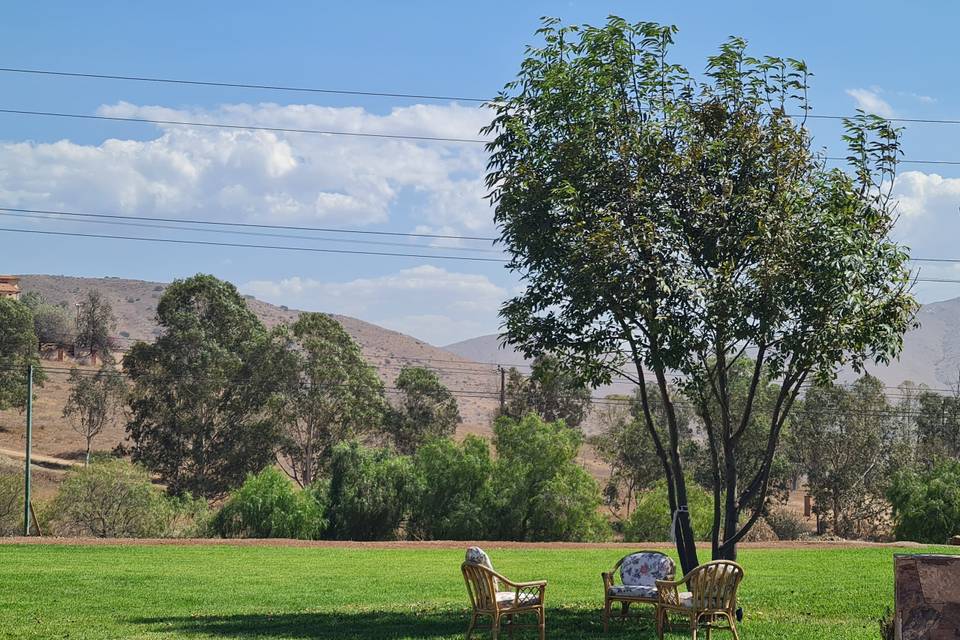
point(264, 176)
point(428, 302)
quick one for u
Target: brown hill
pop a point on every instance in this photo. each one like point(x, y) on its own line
point(134, 303)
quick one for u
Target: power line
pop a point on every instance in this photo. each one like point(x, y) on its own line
point(331, 132)
point(261, 234)
point(247, 127)
point(211, 243)
point(242, 85)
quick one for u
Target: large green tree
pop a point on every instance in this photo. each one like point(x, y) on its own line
point(53, 323)
point(849, 443)
point(199, 396)
point(551, 391)
point(423, 409)
point(327, 393)
point(667, 227)
point(18, 350)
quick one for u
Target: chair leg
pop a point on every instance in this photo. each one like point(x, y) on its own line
point(624, 610)
point(473, 623)
point(660, 614)
point(694, 623)
point(733, 626)
point(543, 622)
point(606, 615)
point(495, 627)
point(510, 627)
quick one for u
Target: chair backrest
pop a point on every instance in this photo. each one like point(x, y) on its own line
point(713, 585)
point(481, 586)
point(644, 568)
point(482, 582)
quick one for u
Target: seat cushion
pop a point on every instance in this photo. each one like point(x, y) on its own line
point(632, 591)
point(506, 598)
point(645, 568)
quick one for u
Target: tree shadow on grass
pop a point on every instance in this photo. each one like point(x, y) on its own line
point(388, 625)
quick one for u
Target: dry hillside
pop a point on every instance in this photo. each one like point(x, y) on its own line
point(134, 303)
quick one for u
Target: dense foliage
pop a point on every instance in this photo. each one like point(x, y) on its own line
point(110, 499)
point(668, 226)
point(452, 490)
point(369, 492)
point(651, 519)
point(268, 505)
point(926, 503)
point(327, 393)
point(200, 392)
point(422, 410)
point(539, 492)
point(18, 350)
point(96, 323)
point(550, 391)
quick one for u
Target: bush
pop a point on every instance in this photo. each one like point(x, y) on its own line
point(188, 517)
point(926, 503)
point(539, 492)
point(369, 493)
point(109, 499)
point(452, 488)
point(651, 519)
point(787, 524)
point(269, 506)
point(11, 504)
point(761, 531)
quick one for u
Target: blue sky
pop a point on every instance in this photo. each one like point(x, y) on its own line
point(884, 56)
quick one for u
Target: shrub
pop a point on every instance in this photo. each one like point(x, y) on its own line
point(787, 524)
point(539, 492)
point(651, 519)
point(369, 493)
point(109, 499)
point(761, 531)
point(267, 505)
point(926, 503)
point(451, 490)
point(11, 504)
point(188, 517)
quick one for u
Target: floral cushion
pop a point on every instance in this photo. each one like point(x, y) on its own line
point(644, 569)
point(506, 598)
point(632, 591)
point(476, 555)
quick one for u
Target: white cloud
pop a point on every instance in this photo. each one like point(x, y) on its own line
point(428, 302)
point(261, 175)
point(870, 101)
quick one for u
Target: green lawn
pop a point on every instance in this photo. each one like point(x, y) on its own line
point(275, 592)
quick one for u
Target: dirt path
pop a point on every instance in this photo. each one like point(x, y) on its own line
point(39, 458)
point(437, 544)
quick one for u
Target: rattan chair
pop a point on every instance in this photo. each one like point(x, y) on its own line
point(516, 598)
point(712, 596)
point(638, 573)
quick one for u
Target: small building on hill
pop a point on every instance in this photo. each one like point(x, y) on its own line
point(10, 287)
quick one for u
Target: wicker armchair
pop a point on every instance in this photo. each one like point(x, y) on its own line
point(712, 595)
point(639, 573)
point(494, 595)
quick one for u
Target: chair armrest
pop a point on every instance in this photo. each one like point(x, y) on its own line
point(668, 591)
point(531, 583)
point(607, 580)
point(535, 588)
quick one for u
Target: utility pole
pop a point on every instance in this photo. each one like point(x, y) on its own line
point(26, 469)
point(503, 388)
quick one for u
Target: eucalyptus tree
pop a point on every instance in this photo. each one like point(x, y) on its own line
point(200, 393)
point(327, 393)
point(667, 227)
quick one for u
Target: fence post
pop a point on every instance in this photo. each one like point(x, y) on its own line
point(26, 466)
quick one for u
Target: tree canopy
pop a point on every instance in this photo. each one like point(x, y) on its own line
point(423, 409)
point(200, 392)
point(550, 391)
point(666, 226)
point(18, 350)
point(327, 393)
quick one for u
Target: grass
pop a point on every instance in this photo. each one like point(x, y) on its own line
point(92, 592)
